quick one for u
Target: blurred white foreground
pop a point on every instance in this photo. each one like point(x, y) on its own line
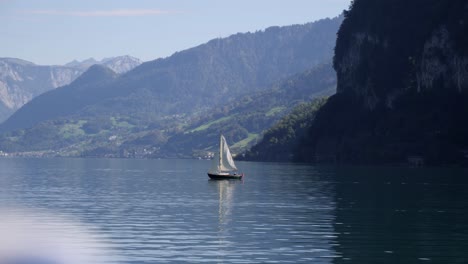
point(37, 237)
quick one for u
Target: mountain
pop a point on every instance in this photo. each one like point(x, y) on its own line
point(202, 77)
point(82, 64)
point(147, 108)
point(243, 121)
point(402, 91)
point(21, 80)
point(121, 64)
point(93, 79)
point(280, 142)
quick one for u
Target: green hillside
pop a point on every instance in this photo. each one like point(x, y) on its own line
point(176, 106)
point(280, 142)
point(241, 120)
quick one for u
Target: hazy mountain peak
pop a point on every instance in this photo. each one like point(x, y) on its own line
point(72, 63)
point(123, 57)
point(119, 64)
point(17, 61)
point(84, 64)
point(98, 68)
point(95, 73)
point(90, 60)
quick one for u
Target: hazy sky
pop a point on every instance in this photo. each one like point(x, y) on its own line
point(59, 31)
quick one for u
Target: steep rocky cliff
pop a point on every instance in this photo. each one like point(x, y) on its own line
point(20, 81)
point(402, 69)
point(386, 47)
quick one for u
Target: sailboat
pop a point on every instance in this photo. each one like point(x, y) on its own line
point(223, 166)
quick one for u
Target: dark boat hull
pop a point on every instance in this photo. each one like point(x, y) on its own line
point(225, 177)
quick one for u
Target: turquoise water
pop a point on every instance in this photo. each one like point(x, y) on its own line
point(167, 211)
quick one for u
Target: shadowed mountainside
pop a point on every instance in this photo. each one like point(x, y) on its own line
point(402, 89)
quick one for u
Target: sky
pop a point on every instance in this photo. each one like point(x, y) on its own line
point(54, 32)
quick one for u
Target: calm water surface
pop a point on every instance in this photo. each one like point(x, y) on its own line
point(167, 211)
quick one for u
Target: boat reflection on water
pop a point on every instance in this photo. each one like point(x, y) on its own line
point(33, 237)
point(225, 189)
point(226, 192)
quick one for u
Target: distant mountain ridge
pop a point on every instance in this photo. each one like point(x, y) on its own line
point(120, 64)
point(202, 77)
point(166, 97)
point(241, 120)
point(21, 80)
point(95, 77)
point(17, 61)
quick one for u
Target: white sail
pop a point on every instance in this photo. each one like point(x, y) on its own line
point(227, 163)
point(222, 160)
point(215, 168)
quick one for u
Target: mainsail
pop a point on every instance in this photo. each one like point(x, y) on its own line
point(222, 161)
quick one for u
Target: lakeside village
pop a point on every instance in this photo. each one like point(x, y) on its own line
point(125, 154)
point(412, 160)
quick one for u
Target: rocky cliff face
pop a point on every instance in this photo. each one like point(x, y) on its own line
point(20, 80)
point(440, 60)
point(387, 47)
point(402, 71)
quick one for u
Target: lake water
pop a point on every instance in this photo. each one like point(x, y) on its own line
point(167, 211)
